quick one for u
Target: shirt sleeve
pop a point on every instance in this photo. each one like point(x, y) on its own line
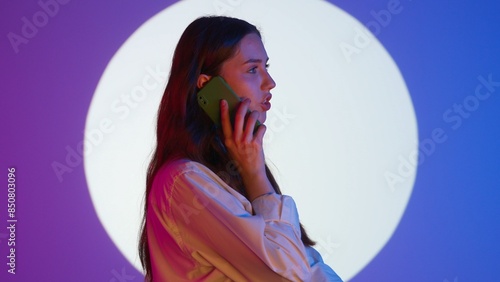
point(217, 229)
point(320, 271)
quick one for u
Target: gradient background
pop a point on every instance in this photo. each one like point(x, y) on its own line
point(449, 232)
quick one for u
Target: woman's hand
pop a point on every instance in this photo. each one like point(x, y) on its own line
point(245, 148)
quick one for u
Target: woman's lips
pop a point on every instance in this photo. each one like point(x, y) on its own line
point(266, 106)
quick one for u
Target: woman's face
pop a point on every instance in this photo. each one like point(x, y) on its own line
point(246, 73)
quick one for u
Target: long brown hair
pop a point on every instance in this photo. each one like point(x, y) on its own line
point(183, 130)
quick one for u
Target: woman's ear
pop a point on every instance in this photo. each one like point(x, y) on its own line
point(202, 79)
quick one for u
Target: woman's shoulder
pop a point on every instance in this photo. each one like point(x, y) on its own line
point(179, 172)
point(172, 170)
point(195, 177)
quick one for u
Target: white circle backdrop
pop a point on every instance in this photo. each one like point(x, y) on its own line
point(342, 121)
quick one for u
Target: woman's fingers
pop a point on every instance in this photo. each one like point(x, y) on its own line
point(227, 127)
point(239, 119)
point(243, 142)
point(250, 126)
point(259, 135)
point(243, 130)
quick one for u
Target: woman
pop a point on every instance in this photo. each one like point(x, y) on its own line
point(213, 210)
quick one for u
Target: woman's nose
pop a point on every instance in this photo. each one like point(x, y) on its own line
point(269, 82)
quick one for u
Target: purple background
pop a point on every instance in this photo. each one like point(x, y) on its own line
point(450, 230)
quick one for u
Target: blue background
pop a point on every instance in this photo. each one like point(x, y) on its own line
point(449, 232)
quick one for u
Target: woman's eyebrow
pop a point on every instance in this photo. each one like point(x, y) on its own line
point(254, 61)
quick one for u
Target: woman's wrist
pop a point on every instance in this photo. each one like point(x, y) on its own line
point(256, 186)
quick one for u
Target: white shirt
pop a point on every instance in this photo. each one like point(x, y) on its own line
point(200, 229)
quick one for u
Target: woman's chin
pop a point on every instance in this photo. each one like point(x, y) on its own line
point(262, 117)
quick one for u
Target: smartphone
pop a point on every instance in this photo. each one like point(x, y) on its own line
point(209, 97)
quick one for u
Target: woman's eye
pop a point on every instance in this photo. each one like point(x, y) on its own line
point(254, 69)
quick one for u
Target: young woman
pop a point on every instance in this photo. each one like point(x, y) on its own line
point(213, 210)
